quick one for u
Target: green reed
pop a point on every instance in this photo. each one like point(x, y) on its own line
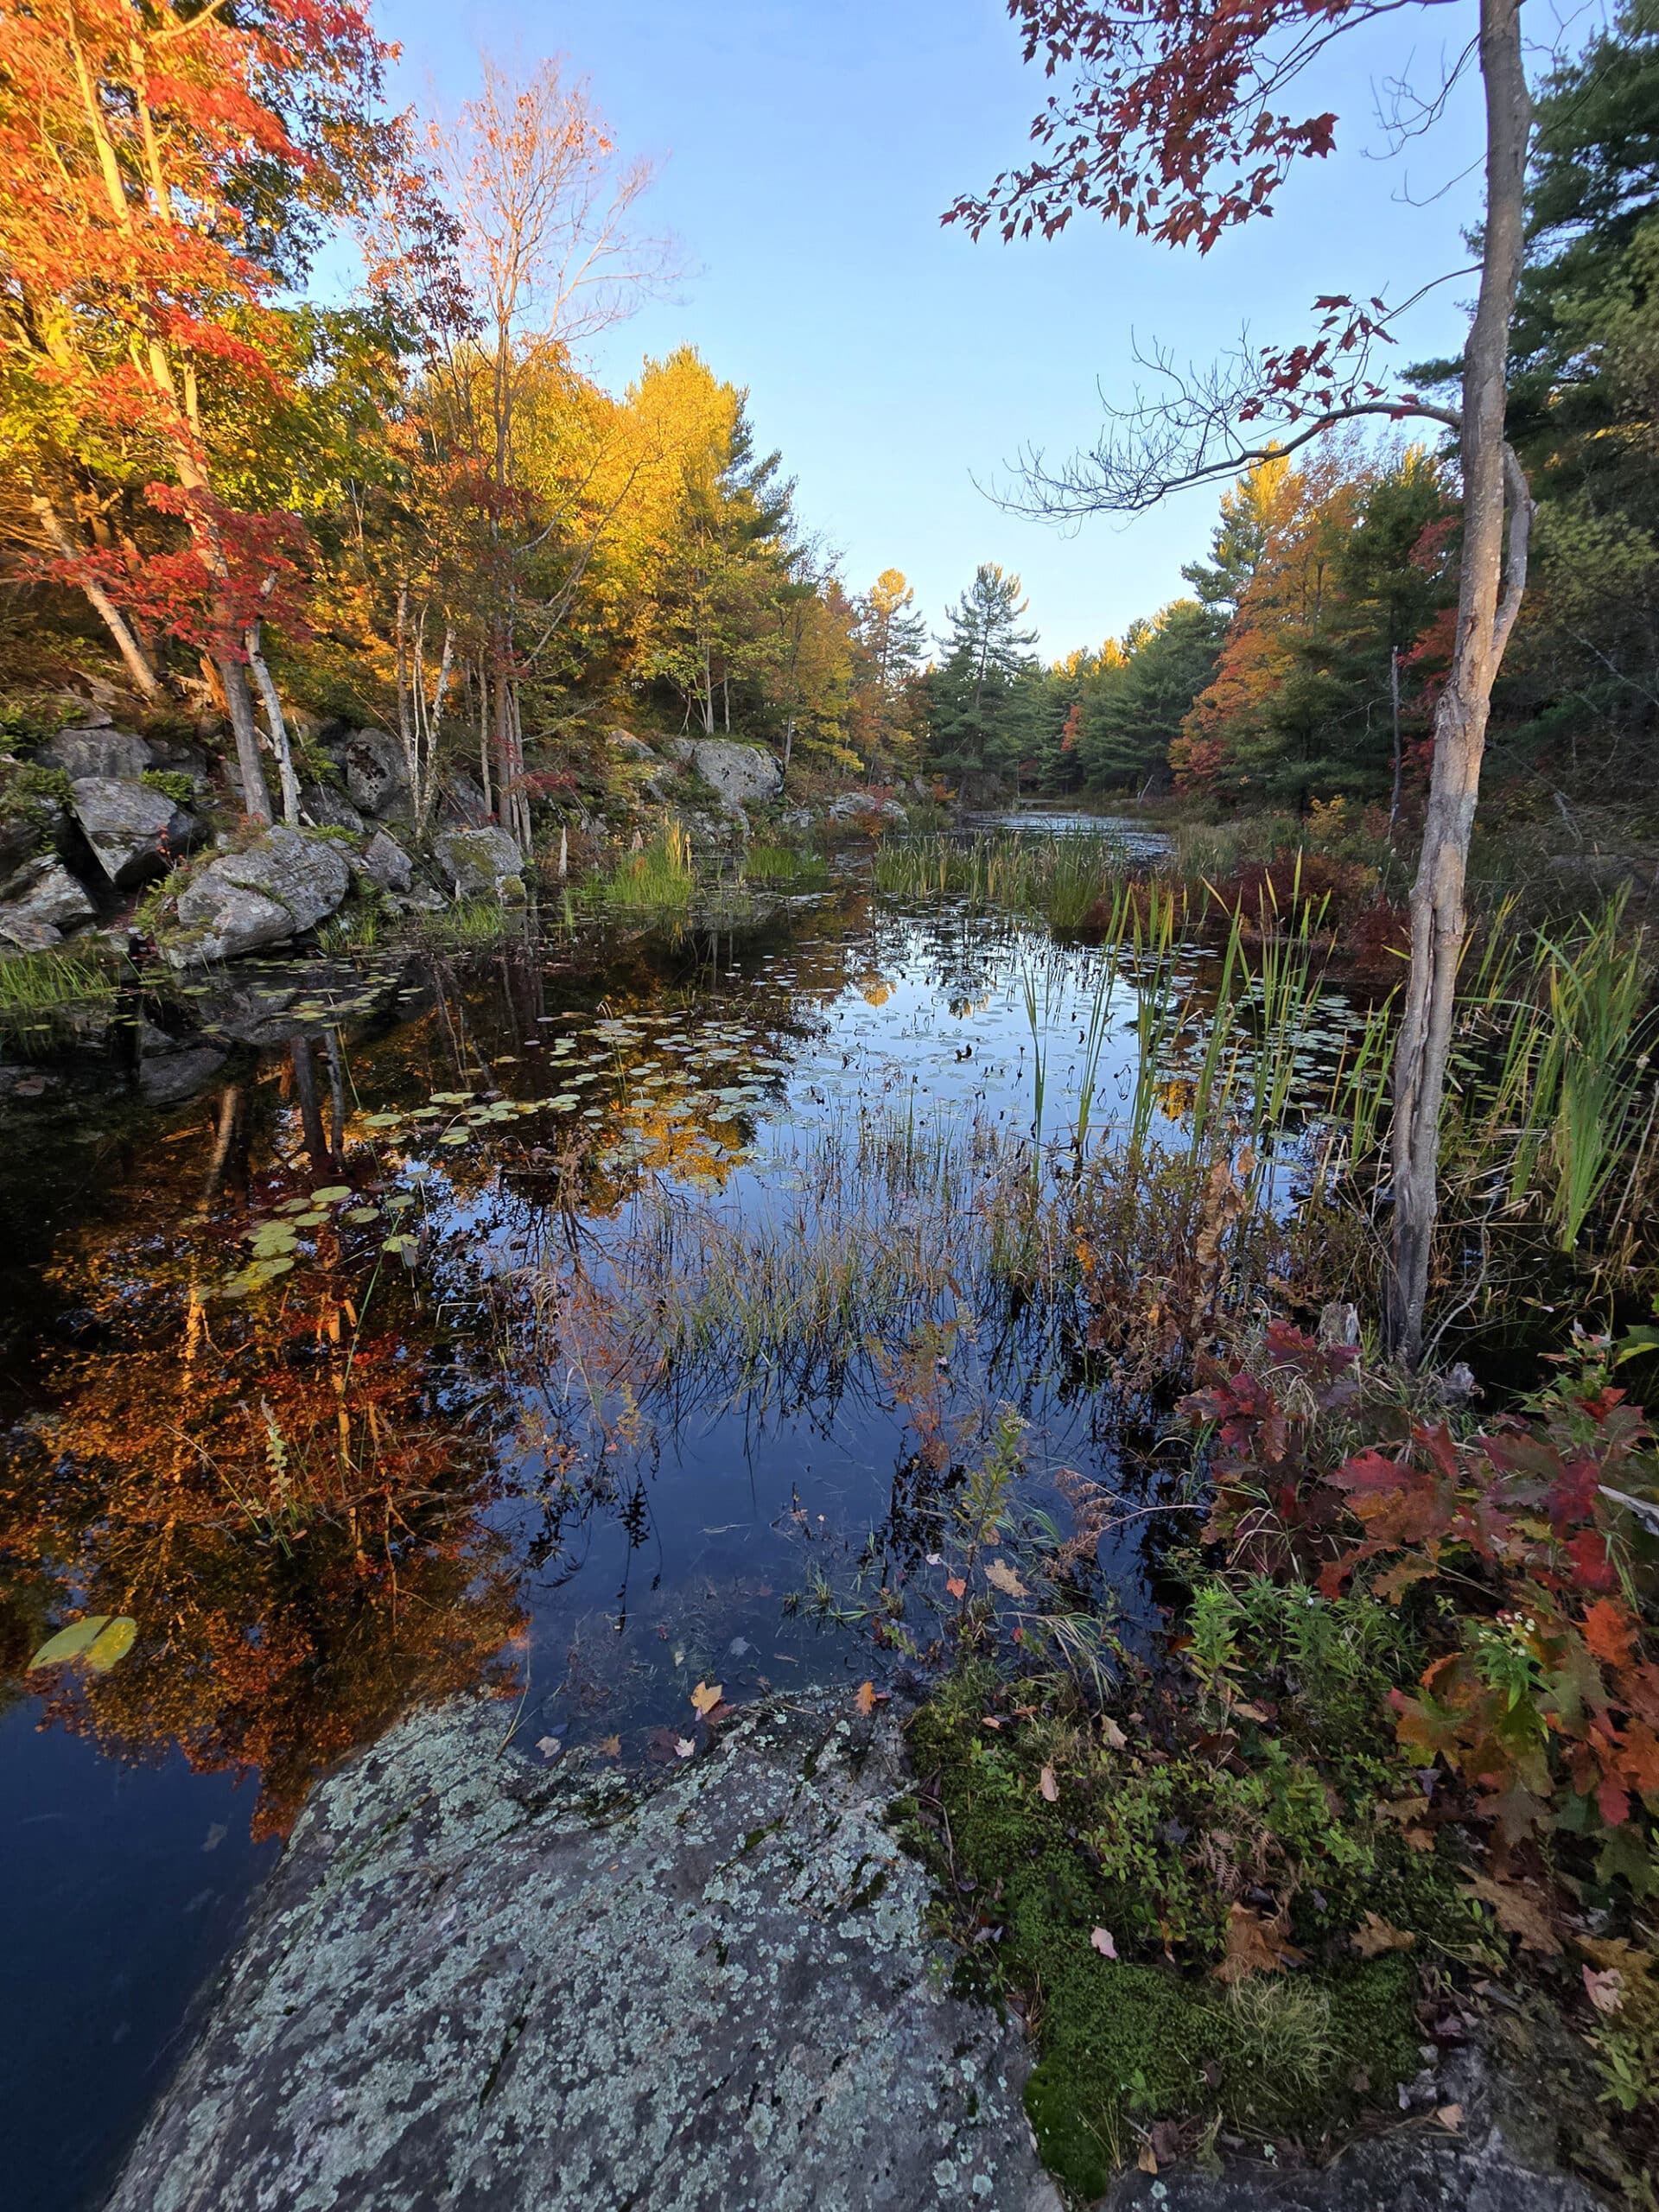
point(44, 996)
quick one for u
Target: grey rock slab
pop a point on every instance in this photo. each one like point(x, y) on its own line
point(170, 1077)
point(41, 903)
point(326, 809)
point(462, 802)
point(738, 774)
point(98, 751)
point(478, 862)
point(376, 775)
point(387, 864)
point(134, 832)
point(477, 1984)
point(283, 882)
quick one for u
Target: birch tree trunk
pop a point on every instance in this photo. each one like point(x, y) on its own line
point(277, 726)
point(1490, 472)
point(57, 535)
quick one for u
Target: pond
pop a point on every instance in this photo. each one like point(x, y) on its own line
point(625, 1362)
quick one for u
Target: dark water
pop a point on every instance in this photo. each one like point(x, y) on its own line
point(336, 1454)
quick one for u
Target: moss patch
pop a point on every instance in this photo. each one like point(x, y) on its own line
point(1041, 1827)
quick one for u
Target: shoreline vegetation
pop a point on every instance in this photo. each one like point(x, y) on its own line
point(412, 751)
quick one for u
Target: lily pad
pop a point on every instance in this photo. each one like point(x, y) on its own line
point(71, 1643)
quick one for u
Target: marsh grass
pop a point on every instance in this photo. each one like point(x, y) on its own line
point(46, 996)
point(660, 879)
point(764, 863)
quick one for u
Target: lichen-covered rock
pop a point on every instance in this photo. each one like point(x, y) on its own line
point(478, 1985)
point(326, 809)
point(134, 832)
point(282, 883)
point(40, 904)
point(376, 775)
point(98, 751)
point(479, 862)
point(862, 807)
point(739, 775)
point(387, 864)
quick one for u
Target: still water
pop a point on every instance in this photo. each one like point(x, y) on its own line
point(631, 1345)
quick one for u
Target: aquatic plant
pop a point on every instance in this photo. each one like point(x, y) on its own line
point(46, 996)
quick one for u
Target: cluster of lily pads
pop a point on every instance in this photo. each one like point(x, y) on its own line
point(274, 1243)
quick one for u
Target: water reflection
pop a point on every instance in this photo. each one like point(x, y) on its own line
point(546, 1323)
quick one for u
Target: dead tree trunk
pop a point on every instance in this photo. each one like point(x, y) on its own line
point(1488, 601)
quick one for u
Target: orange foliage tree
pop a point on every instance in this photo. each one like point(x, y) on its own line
point(167, 167)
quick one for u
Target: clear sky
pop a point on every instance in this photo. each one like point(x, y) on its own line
point(808, 148)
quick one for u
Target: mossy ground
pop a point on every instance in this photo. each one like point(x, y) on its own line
point(1231, 1853)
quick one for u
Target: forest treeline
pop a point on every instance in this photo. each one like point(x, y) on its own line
point(418, 507)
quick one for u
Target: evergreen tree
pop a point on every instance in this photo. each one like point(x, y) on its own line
point(976, 724)
point(1140, 693)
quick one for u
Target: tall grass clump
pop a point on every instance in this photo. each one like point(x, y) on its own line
point(782, 864)
point(45, 996)
point(1063, 879)
point(656, 878)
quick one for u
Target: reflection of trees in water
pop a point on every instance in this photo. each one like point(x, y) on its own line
point(287, 1494)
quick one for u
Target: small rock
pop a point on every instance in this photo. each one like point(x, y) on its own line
point(325, 808)
point(177, 1075)
point(40, 903)
point(116, 753)
point(387, 864)
point(479, 862)
point(134, 833)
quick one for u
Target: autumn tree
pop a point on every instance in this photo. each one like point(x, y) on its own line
point(166, 171)
point(892, 637)
point(1171, 122)
point(550, 253)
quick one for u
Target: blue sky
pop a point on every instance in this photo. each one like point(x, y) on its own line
point(807, 149)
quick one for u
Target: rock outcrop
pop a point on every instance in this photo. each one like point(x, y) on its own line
point(98, 752)
point(739, 775)
point(376, 775)
point(284, 882)
point(479, 863)
point(386, 863)
point(476, 1983)
point(40, 903)
point(134, 833)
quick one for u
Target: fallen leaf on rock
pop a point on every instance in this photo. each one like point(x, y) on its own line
point(1604, 1990)
point(683, 1747)
point(955, 1585)
point(1253, 1945)
point(1115, 1739)
point(706, 1697)
point(549, 1746)
point(1376, 1936)
point(864, 1698)
point(1449, 2117)
point(1102, 1940)
point(1049, 1786)
point(1002, 1577)
point(1519, 1913)
point(1147, 2160)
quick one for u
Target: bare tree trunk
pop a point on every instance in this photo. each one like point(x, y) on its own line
point(1490, 470)
point(484, 735)
point(1393, 701)
point(238, 701)
point(278, 728)
point(57, 535)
